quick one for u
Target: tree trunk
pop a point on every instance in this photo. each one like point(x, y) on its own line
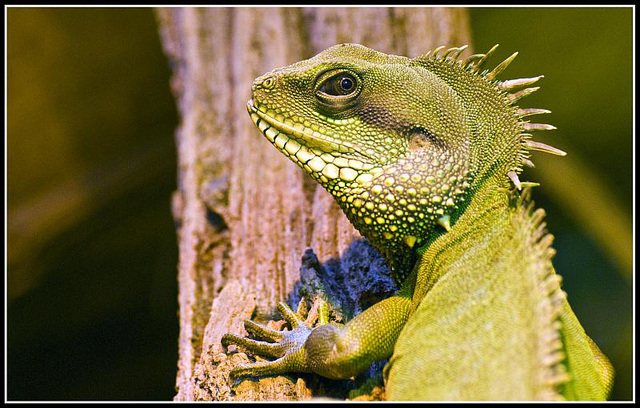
point(244, 213)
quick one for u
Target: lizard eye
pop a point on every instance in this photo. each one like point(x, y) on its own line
point(337, 85)
point(341, 84)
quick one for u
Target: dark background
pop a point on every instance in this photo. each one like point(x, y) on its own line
point(92, 251)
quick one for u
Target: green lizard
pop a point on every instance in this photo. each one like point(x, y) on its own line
point(421, 155)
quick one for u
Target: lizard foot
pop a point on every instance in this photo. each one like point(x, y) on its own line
point(286, 346)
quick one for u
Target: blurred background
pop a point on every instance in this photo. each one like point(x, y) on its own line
point(91, 245)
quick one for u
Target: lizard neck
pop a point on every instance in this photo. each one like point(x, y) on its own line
point(399, 209)
point(485, 215)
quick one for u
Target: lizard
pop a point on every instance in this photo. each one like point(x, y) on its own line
point(423, 156)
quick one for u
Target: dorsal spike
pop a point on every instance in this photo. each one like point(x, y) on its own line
point(530, 112)
point(485, 56)
point(454, 52)
point(538, 126)
point(514, 97)
point(501, 67)
point(460, 50)
point(541, 147)
point(517, 83)
point(449, 51)
point(435, 52)
point(527, 162)
point(514, 179)
point(472, 59)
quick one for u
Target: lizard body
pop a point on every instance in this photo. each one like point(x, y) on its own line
point(420, 154)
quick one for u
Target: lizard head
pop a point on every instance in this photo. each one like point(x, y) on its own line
point(398, 142)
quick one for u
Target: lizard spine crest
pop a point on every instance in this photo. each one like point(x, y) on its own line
point(510, 90)
point(550, 351)
point(552, 373)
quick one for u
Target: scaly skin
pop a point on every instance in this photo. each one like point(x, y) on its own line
point(420, 154)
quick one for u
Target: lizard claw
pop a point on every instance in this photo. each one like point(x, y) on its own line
point(289, 315)
point(254, 346)
point(286, 346)
point(260, 331)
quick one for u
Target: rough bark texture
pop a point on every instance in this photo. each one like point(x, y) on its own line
point(245, 214)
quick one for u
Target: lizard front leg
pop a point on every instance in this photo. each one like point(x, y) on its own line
point(328, 349)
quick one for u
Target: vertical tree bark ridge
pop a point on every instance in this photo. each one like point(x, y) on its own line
point(264, 39)
point(245, 214)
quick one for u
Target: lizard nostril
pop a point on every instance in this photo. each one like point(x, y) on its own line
point(264, 83)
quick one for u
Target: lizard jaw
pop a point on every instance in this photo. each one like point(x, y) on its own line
point(321, 157)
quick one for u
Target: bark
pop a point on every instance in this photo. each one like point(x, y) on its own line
point(245, 215)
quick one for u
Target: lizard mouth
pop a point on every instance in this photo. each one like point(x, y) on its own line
point(299, 142)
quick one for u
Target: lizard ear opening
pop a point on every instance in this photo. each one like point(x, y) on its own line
point(420, 138)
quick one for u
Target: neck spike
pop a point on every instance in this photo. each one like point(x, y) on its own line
point(523, 112)
point(517, 83)
point(434, 55)
point(501, 67)
point(541, 147)
point(538, 126)
point(514, 97)
point(514, 179)
point(484, 57)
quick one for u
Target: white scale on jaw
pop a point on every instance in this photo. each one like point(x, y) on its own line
point(316, 160)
